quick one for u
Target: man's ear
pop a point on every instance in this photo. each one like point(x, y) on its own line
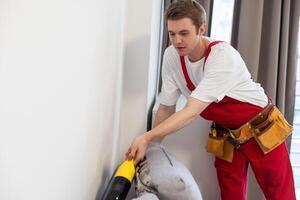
point(202, 29)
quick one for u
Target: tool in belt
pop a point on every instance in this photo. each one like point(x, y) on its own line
point(268, 127)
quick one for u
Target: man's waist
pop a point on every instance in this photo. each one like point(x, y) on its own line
point(243, 133)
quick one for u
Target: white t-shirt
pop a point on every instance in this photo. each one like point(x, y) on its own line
point(225, 74)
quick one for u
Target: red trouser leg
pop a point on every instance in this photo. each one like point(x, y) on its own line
point(273, 173)
point(232, 177)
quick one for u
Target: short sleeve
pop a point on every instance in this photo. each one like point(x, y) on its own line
point(170, 91)
point(221, 74)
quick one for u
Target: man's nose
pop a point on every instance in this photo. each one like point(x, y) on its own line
point(177, 39)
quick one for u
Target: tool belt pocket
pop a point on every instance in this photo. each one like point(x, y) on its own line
point(215, 145)
point(220, 147)
point(271, 132)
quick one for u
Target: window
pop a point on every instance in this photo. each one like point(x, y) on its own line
point(295, 146)
point(221, 23)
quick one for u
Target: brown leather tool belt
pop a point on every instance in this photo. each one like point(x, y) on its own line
point(269, 128)
point(245, 132)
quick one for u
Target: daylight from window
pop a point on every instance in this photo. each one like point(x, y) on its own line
point(222, 20)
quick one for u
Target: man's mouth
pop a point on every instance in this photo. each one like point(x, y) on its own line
point(180, 48)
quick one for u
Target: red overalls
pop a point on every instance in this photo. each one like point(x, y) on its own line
point(273, 171)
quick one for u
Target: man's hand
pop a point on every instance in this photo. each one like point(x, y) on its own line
point(138, 149)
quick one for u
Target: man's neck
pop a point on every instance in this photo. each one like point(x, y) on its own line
point(199, 51)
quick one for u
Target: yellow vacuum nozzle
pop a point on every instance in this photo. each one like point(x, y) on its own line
point(126, 170)
point(120, 183)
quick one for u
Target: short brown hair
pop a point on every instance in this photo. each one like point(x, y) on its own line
point(186, 8)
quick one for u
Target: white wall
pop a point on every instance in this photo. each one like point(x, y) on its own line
point(137, 42)
point(60, 89)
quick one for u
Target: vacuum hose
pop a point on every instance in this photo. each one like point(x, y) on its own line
point(120, 183)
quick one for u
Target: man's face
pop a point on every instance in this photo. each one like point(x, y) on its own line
point(183, 35)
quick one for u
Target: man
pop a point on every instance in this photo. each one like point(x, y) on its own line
point(247, 128)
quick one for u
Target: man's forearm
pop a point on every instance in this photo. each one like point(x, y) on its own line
point(177, 120)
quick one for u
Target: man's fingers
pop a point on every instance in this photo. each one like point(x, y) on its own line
point(139, 156)
point(129, 154)
point(132, 153)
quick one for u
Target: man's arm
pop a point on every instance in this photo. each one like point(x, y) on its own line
point(175, 122)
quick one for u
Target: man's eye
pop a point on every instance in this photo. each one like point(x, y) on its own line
point(172, 34)
point(184, 34)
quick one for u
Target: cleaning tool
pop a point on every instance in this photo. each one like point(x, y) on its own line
point(120, 183)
